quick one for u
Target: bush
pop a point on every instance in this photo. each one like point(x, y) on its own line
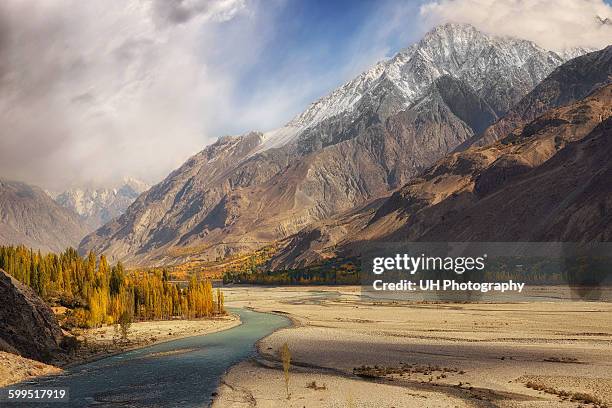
point(125, 322)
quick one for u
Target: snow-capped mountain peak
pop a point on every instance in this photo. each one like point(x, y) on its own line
point(482, 60)
point(99, 205)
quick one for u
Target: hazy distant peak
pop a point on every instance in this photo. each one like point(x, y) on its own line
point(98, 205)
point(30, 217)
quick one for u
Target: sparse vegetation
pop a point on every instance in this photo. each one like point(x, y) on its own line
point(125, 321)
point(405, 370)
point(313, 385)
point(215, 269)
point(572, 396)
point(568, 360)
point(331, 272)
point(286, 359)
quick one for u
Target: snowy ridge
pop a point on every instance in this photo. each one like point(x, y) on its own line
point(458, 50)
point(99, 205)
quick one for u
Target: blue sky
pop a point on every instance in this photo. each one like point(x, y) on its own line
point(310, 46)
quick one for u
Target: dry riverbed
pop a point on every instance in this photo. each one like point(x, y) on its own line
point(105, 341)
point(351, 352)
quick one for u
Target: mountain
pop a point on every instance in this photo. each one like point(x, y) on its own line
point(548, 181)
point(501, 70)
point(30, 217)
point(570, 82)
point(366, 138)
point(97, 206)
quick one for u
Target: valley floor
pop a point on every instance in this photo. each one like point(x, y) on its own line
point(102, 342)
point(547, 353)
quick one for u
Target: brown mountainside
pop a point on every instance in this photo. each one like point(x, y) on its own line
point(571, 81)
point(549, 181)
point(30, 217)
point(228, 199)
point(365, 139)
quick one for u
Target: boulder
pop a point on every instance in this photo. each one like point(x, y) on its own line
point(27, 324)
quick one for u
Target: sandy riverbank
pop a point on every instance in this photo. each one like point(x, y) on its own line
point(14, 368)
point(103, 341)
point(537, 354)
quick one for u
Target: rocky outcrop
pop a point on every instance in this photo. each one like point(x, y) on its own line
point(28, 216)
point(27, 325)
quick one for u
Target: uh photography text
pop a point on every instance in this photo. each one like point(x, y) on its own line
point(420, 272)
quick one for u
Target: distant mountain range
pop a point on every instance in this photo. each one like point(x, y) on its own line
point(97, 206)
point(369, 137)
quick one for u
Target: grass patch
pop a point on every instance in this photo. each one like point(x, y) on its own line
point(567, 360)
point(402, 370)
point(313, 385)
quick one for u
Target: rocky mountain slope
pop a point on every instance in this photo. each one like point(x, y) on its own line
point(547, 181)
point(571, 81)
point(27, 325)
point(500, 69)
point(30, 217)
point(97, 206)
point(368, 137)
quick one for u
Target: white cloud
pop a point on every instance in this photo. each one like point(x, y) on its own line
point(553, 24)
point(91, 91)
point(97, 90)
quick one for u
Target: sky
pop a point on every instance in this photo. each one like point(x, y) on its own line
point(91, 92)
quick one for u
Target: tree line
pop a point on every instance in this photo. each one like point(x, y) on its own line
point(97, 293)
point(572, 270)
point(332, 272)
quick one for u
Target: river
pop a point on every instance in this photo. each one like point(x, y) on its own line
point(182, 372)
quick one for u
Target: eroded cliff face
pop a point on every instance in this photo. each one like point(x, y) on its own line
point(27, 325)
point(365, 139)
